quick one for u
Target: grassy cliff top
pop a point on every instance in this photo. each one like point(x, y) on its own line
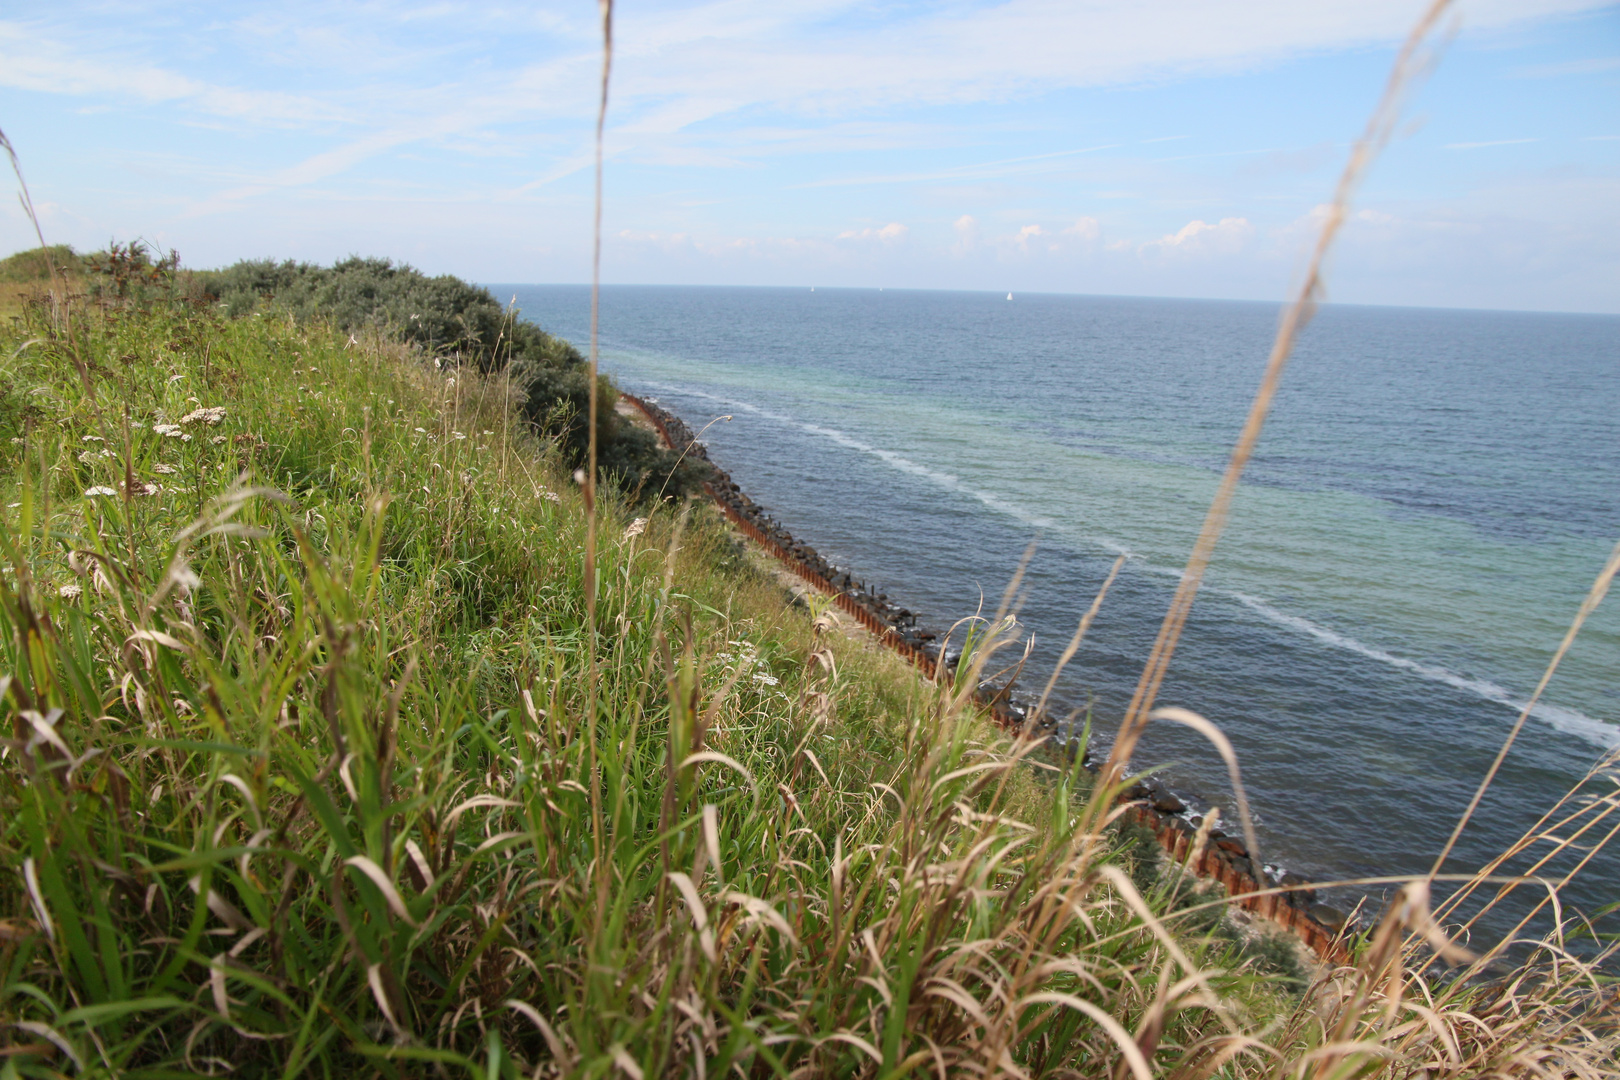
point(319, 759)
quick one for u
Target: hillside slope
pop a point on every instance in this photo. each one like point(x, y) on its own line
point(315, 762)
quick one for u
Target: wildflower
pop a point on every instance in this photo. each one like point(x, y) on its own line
point(635, 528)
point(209, 416)
point(423, 430)
point(765, 680)
point(217, 439)
point(17, 442)
point(488, 433)
point(91, 492)
point(91, 438)
point(185, 438)
point(551, 496)
point(166, 470)
point(458, 434)
point(143, 488)
point(168, 431)
point(87, 457)
point(69, 592)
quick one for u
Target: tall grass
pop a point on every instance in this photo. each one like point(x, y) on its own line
point(298, 778)
point(345, 733)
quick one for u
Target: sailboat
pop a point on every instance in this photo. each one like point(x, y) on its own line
point(1009, 296)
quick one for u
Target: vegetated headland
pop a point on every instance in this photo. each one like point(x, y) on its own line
point(320, 755)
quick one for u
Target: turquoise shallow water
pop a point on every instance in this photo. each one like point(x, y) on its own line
point(1434, 494)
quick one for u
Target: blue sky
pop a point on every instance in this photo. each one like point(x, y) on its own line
point(1150, 147)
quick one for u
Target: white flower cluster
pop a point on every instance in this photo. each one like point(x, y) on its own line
point(210, 416)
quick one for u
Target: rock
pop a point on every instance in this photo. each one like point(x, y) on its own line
point(1243, 866)
point(1330, 917)
point(1166, 803)
point(1300, 897)
point(1231, 846)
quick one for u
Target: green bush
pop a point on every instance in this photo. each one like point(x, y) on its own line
point(441, 314)
point(464, 324)
point(35, 264)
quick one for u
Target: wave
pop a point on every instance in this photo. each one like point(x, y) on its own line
point(898, 461)
point(1569, 721)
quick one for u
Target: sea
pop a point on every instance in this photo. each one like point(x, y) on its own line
point(1434, 494)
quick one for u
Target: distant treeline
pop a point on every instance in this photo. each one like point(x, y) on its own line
point(448, 318)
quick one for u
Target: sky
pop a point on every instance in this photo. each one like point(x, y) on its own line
point(1135, 147)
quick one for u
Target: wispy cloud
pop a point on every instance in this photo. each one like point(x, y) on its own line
point(1590, 66)
point(1492, 142)
point(980, 171)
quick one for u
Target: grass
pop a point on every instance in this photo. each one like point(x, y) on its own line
point(301, 778)
point(345, 735)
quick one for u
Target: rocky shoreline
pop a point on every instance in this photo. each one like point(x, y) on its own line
point(1283, 898)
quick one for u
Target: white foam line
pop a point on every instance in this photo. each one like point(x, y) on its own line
point(889, 457)
point(1569, 721)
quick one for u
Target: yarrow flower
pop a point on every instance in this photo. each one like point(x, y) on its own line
point(69, 592)
point(210, 416)
point(91, 492)
point(217, 439)
point(168, 431)
point(166, 470)
point(551, 496)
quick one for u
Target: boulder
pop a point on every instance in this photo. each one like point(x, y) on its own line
point(1300, 897)
point(1330, 917)
point(1166, 803)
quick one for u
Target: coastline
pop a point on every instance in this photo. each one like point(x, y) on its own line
point(1289, 902)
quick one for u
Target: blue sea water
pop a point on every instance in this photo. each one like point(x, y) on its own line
point(1433, 496)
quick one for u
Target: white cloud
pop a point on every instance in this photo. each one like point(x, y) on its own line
point(1199, 237)
point(1085, 230)
point(892, 233)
